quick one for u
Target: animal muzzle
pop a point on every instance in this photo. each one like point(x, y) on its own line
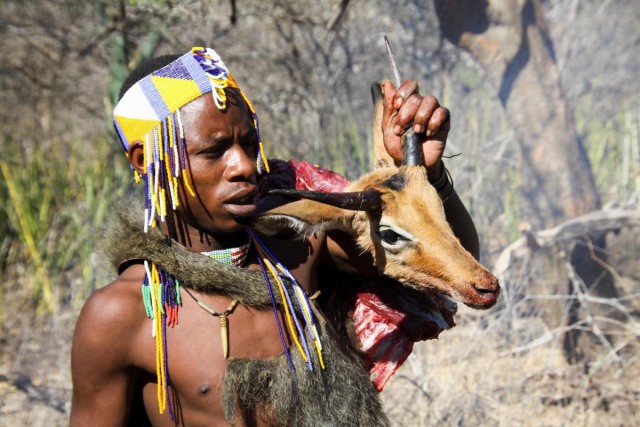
point(481, 293)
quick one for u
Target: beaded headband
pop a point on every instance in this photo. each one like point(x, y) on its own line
point(149, 111)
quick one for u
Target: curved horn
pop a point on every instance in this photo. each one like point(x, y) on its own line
point(355, 201)
point(411, 149)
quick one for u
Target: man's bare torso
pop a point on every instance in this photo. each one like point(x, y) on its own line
point(195, 357)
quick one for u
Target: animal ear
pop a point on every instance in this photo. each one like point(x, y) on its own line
point(274, 218)
point(382, 159)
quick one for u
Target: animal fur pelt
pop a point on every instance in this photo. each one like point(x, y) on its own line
point(339, 395)
point(125, 240)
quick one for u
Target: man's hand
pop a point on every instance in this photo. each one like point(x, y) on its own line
point(404, 107)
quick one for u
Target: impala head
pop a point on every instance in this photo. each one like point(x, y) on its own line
point(396, 215)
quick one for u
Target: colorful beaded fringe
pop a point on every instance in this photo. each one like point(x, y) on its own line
point(269, 265)
point(161, 296)
point(165, 164)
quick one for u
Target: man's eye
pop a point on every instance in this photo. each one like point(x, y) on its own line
point(215, 153)
point(250, 143)
point(389, 236)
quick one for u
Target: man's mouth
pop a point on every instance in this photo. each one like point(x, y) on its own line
point(242, 203)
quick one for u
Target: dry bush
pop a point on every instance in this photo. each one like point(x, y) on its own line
point(506, 367)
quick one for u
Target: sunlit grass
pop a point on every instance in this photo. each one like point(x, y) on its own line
point(55, 203)
point(613, 147)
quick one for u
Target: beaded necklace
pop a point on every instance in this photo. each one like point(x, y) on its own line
point(232, 256)
point(161, 296)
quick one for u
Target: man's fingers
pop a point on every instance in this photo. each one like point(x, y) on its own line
point(405, 90)
point(389, 93)
point(407, 114)
point(447, 112)
point(440, 120)
point(422, 117)
point(404, 107)
point(426, 114)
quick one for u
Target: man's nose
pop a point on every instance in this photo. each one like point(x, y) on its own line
point(240, 166)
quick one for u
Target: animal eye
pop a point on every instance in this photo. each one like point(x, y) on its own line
point(389, 236)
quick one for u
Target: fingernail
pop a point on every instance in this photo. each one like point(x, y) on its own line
point(397, 130)
point(429, 133)
point(383, 83)
point(398, 102)
point(417, 128)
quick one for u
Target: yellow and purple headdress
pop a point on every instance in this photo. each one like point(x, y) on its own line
point(150, 112)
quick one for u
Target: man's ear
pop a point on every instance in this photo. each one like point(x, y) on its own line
point(136, 156)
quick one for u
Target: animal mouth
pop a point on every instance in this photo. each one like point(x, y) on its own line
point(479, 297)
point(480, 294)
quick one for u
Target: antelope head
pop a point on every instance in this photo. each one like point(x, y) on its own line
point(396, 215)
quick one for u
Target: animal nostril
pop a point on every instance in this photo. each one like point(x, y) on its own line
point(484, 290)
point(488, 284)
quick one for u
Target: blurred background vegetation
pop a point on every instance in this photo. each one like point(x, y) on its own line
point(520, 77)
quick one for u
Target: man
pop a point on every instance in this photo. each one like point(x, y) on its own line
point(200, 172)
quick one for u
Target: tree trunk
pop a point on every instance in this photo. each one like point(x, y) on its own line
point(509, 39)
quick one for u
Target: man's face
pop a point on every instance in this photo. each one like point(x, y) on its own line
point(221, 147)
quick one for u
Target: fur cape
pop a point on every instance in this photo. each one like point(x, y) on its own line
point(339, 395)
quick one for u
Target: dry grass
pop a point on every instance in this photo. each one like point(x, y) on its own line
point(42, 353)
point(506, 366)
point(478, 381)
point(494, 371)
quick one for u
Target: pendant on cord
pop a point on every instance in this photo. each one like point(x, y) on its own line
point(223, 320)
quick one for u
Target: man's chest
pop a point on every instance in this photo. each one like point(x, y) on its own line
point(195, 359)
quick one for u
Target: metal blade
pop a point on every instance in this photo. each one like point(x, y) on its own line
point(394, 69)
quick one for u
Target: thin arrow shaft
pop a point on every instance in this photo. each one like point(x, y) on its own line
point(392, 63)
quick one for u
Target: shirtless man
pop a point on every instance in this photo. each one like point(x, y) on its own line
point(114, 357)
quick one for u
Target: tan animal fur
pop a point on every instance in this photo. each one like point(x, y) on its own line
point(406, 231)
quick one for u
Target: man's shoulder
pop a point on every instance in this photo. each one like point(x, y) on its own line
point(118, 304)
